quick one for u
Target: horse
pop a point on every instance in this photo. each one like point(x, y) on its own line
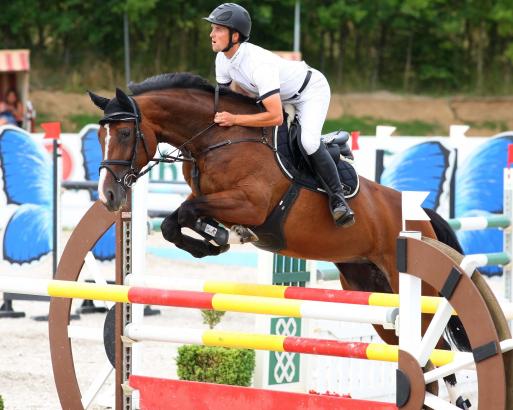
point(235, 179)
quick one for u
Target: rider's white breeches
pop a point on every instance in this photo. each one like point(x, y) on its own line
point(311, 109)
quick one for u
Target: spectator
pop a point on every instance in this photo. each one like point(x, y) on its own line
point(12, 106)
point(6, 117)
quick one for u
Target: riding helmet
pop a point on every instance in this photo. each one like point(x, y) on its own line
point(233, 16)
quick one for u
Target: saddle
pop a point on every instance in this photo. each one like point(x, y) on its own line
point(295, 164)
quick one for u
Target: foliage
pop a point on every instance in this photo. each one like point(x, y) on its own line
point(438, 46)
point(211, 317)
point(216, 365)
point(1, 403)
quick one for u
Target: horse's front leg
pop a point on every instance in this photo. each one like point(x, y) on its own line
point(172, 232)
point(234, 207)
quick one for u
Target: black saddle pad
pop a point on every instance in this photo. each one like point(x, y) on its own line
point(296, 168)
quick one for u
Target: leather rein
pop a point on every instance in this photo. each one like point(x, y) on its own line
point(131, 176)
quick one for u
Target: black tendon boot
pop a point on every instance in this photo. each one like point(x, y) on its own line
point(326, 169)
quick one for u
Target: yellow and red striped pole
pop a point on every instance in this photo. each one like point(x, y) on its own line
point(278, 343)
point(202, 300)
point(429, 303)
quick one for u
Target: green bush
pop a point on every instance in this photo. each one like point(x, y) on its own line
point(216, 365)
point(1, 403)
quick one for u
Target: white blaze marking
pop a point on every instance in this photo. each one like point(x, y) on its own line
point(103, 172)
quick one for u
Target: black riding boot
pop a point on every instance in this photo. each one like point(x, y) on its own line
point(326, 169)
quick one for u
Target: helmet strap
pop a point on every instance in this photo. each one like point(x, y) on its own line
point(230, 42)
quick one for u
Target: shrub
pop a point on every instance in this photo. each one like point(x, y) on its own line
point(211, 317)
point(216, 365)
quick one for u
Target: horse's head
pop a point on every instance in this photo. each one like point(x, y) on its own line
point(128, 144)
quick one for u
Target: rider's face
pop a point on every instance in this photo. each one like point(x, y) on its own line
point(219, 36)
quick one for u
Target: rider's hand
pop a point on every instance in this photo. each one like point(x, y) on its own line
point(224, 119)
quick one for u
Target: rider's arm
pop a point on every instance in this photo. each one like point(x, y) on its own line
point(273, 114)
point(266, 78)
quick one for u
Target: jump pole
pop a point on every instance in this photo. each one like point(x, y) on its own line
point(278, 343)
point(429, 304)
point(203, 300)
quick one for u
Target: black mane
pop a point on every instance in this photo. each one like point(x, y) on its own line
point(182, 80)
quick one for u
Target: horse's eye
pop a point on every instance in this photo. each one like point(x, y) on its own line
point(124, 133)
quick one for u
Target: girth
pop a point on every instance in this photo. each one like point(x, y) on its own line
point(270, 234)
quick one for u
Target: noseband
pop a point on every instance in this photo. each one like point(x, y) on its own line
point(132, 174)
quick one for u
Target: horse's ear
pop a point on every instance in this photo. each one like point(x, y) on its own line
point(100, 102)
point(123, 99)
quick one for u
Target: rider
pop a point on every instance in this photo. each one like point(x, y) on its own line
point(259, 72)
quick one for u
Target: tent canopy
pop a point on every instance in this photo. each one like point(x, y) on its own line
point(14, 60)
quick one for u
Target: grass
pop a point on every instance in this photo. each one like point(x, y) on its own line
point(367, 126)
point(72, 123)
point(81, 120)
point(40, 118)
point(497, 126)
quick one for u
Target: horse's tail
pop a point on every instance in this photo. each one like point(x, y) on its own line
point(445, 234)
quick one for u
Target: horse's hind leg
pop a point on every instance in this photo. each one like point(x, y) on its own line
point(367, 277)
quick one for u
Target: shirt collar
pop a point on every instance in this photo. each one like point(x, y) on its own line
point(237, 57)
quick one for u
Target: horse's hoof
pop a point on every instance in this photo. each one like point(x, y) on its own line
point(214, 250)
point(200, 250)
point(169, 233)
point(223, 248)
point(207, 249)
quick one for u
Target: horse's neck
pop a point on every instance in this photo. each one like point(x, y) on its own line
point(174, 116)
point(186, 114)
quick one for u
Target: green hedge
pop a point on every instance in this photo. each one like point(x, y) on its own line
point(1, 403)
point(216, 365)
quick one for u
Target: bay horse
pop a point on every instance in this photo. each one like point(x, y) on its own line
point(240, 183)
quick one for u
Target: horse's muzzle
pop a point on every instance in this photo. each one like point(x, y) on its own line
point(113, 197)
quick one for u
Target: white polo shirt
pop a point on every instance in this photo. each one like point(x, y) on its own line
point(261, 72)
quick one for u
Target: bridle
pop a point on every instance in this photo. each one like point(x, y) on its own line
point(130, 177)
